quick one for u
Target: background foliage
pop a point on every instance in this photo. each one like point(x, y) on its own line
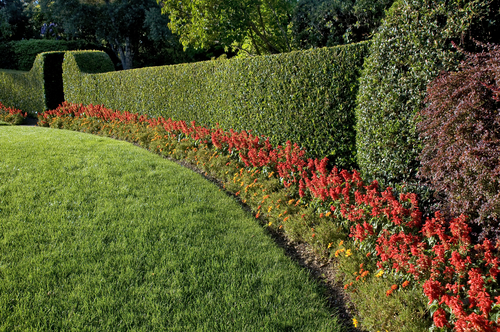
point(133, 33)
point(319, 23)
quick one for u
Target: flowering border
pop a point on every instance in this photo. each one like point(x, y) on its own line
point(12, 115)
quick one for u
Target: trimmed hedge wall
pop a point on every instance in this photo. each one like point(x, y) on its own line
point(36, 90)
point(24, 90)
point(20, 54)
point(307, 97)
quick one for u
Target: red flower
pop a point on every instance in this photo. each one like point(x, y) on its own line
point(440, 319)
point(433, 290)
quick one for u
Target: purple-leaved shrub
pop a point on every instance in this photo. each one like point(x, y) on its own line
point(460, 131)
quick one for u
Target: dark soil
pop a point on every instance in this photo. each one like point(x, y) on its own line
point(30, 121)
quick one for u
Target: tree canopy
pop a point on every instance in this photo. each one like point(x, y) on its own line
point(120, 23)
point(248, 26)
point(319, 23)
point(14, 20)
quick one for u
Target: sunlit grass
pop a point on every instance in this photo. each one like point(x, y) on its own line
point(100, 235)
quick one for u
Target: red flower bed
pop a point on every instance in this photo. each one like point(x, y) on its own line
point(460, 279)
point(11, 115)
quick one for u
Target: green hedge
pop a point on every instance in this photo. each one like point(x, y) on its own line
point(307, 97)
point(24, 90)
point(411, 47)
point(22, 53)
point(36, 90)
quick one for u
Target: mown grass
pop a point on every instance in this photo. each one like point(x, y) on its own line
point(100, 235)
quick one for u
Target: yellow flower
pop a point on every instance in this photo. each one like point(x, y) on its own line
point(348, 253)
point(270, 223)
point(355, 322)
point(378, 275)
point(341, 242)
point(330, 245)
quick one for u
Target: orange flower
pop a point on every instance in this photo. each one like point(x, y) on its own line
point(406, 283)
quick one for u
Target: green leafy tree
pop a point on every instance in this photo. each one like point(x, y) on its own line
point(5, 29)
point(319, 23)
point(248, 26)
point(161, 47)
point(128, 27)
point(14, 20)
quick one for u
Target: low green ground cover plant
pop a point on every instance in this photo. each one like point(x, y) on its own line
point(438, 277)
point(100, 235)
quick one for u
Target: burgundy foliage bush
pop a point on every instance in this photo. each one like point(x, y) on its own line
point(460, 129)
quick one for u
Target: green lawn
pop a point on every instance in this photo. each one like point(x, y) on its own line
point(101, 235)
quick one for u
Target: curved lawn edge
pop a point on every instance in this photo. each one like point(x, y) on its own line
point(100, 234)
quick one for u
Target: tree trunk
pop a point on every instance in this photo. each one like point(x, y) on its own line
point(125, 53)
